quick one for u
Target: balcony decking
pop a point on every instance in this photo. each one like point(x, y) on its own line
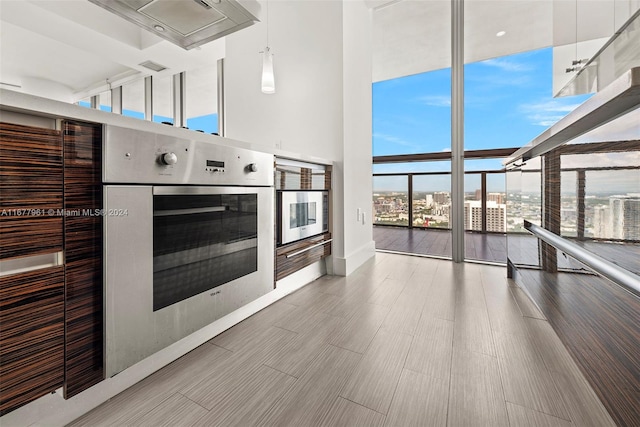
point(484, 247)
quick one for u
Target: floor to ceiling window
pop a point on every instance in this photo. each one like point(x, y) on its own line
point(508, 101)
point(412, 115)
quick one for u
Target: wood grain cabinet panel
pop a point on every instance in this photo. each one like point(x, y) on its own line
point(31, 167)
point(293, 257)
point(30, 187)
point(31, 336)
point(31, 303)
point(83, 251)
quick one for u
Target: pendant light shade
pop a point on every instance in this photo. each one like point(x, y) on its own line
point(268, 79)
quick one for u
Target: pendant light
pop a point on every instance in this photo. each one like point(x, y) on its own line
point(268, 78)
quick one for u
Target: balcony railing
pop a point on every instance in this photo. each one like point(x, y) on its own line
point(425, 202)
point(597, 203)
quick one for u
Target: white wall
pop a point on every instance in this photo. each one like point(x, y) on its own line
point(305, 113)
point(355, 166)
point(322, 104)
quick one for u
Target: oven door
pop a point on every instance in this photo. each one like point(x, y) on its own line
point(180, 258)
point(201, 239)
point(301, 214)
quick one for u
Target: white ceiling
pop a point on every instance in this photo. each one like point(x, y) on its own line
point(413, 36)
point(78, 47)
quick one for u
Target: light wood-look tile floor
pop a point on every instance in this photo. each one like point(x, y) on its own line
point(403, 341)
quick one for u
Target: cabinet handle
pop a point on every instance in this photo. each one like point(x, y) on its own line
point(324, 242)
point(30, 263)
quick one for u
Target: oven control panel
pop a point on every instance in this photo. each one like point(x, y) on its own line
point(215, 166)
point(137, 157)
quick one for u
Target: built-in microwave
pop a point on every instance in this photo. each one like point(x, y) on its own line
point(301, 214)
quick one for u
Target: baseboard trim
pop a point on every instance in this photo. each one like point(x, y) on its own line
point(347, 265)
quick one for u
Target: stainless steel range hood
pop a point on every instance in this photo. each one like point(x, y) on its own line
point(187, 23)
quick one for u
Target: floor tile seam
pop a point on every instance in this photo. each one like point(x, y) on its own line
point(372, 338)
point(542, 412)
point(470, 351)
point(360, 404)
point(346, 349)
point(310, 363)
point(357, 365)
point(215, 345)
point(563, 403)
point(538, 355)
point(139, 416)
point(450, 378)
point(340, 395)
point(537, 411)
point(566, 354)
point(491, 326)
point(192, 401)
point(586, 383)
point(404, 368)
point(503, 395)
point(282, 372)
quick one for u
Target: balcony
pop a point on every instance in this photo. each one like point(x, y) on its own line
point(411, 210)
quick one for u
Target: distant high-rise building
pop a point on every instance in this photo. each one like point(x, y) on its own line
point(429, 200)
point(625, 217)
point(492, 197)
point(441, 197)
point(496, 216)
point(495, 197)
point(600, 221)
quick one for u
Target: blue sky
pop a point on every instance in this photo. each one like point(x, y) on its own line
point(508, 102)
point(208, 123)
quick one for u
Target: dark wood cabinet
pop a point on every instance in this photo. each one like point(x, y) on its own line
point(83, 253)
point(31, 336)
point(296, 256)
point(51, 327)
point(31, 303)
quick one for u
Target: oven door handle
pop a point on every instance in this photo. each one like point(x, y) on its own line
point(188, 211)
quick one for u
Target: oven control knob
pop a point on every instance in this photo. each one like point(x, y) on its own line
point(252, 167)
point(169, 158)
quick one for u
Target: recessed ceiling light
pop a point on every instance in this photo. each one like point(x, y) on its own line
point(158, 27)
point(500, 33)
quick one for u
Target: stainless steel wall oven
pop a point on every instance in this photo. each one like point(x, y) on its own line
point(202, 238)
point(190, 239)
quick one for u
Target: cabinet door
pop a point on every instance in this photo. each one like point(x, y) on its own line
point(83, 252)
point(30, 191)
point(31, 336)
point(31, 302)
